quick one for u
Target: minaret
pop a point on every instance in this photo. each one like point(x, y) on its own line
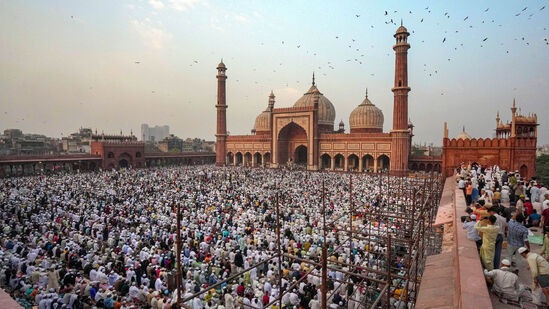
point(221, 106)
point(513, 119)
point(400, 134)
point(271, 101)
point(314, 154)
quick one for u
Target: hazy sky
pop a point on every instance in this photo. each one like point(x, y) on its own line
point(113, 65)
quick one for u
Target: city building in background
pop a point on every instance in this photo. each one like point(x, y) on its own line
point(175, 144)
point(154, 134)
point(171, 143)
point(15, 142)
point(86, 150)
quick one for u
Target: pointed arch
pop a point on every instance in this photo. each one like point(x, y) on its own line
point(339, 161)
point(238, 158)
point(368, 163)
point(247, 159)
point(325, 161)
point(258, 159)
point(352, 162)
point(383, 163)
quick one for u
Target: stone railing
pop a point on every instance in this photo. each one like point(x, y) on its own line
point(454, 278)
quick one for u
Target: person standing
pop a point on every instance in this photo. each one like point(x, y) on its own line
point(468, 193)
point(472, 233)
point(545, 247)
point(520, 204)
point(517, 237)
point(545, 203)
point(501, 223)
point(496, 199)
point(53, 278)
point(489, 235)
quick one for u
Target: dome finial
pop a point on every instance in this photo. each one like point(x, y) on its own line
point(401, 22)
point(366, 91)
point(313, 78)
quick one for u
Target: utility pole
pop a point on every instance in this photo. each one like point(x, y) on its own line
point(278, 248)
point(351, 210)
point(178, 258)
point(324, 252)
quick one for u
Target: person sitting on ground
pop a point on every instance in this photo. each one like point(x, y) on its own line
point(539, 268)
point(534, 219)
point(504, 281)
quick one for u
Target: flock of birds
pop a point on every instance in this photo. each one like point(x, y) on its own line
point(451, 31)
point(356, 53)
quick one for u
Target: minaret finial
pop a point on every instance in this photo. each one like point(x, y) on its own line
point(366, 91)
point(401, 22)
point(463, 129)
point(313, 78)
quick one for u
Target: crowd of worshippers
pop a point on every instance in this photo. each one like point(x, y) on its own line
point(503, 209)
point(106, 239)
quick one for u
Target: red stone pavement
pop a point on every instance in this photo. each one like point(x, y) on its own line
point(6, 302)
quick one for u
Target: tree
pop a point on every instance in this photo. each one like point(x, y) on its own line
point(542, 168)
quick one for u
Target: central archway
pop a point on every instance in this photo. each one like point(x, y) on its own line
point(289, 138)
point(300, 155)
point(123, 163)
point(124, 160)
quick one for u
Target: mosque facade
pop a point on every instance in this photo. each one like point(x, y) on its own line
point(304, 133)
point(513, 148)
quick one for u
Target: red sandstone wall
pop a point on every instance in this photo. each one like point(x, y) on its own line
point(133, 152)
point(509, 154)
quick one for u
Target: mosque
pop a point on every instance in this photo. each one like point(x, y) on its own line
point(304, 134)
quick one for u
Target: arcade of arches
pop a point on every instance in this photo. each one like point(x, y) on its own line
point(328, 161)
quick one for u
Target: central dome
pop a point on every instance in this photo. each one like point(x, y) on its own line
point(326, 110)
point(366, 118)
